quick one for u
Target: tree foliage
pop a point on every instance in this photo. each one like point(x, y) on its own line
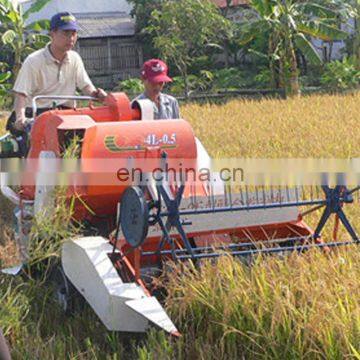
point(183, 31)
point(142, 10)
point(341, 75)
point(354, 13)
point(289, 25)
point(18, 37)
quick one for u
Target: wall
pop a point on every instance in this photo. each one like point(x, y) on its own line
point(109, 60)
point(79, 6)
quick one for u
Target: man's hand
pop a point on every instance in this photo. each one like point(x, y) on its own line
point(19, 107)
point(99, 94)
point(19, 124)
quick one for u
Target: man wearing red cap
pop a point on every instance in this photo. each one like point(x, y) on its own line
point(154, 75)
point(53, 70)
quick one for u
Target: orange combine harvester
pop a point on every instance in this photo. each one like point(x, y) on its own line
point(136, 223)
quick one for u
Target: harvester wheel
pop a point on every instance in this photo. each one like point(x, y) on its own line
point(65, 294)
point(134, 216)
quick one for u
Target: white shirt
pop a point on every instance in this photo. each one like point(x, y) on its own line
point(42, 74)
point(168, 106)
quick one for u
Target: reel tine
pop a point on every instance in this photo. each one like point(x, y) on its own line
point(225, 195)
point(230, 196)
point(297, 194)
point(264, 196)
point(303, 192)
point(208, 196)
point(280, 195)
point(227, 188)
point(242, 196)
point(257, 195)
point(195, 198)
point(225, 200)
point(287, 193)
point(247, 196)
point(212, 196)
point(192, 193)
point(272, 193)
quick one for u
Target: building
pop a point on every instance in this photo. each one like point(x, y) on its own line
point(108, 47)
point(232, 9)
point(77, 7)
point(106, 42)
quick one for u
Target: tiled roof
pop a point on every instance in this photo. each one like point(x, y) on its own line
point(94, 25)
point(222, 3)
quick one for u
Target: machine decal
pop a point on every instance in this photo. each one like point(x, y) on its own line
point(165, 142)
point(111, 145)
point(165, 139)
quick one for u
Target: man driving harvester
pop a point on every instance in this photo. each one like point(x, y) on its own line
point(53, 70)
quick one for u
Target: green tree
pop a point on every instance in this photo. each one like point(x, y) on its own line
point(142, 10)
point(18, 37)
point(349, 15)
point(357, 36)
point(186, 30)
point(355, 15)
point(289, 24)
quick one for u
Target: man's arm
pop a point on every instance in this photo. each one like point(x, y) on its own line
point(19, 108)
point(4, 350)
point(84, 83)
point(94, 92)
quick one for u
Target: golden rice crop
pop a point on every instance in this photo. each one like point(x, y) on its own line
point(299, 307)
point(312, 126)
point(3, 117)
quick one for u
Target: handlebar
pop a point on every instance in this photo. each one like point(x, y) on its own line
point(59, 97)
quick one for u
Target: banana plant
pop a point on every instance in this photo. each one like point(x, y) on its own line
point(355, 7)
point(17, 35)
point(4, 76)
point(290, 25)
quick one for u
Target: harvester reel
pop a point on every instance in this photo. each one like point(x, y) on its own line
point(134, 216)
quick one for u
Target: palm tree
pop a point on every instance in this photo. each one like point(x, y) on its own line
point(21, 38)
point(289, 25)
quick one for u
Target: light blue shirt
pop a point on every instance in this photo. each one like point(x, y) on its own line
point(168, 107)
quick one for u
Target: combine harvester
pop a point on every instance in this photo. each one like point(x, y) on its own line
point(151, 222)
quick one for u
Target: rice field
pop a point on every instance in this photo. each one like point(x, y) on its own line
point(296, 307)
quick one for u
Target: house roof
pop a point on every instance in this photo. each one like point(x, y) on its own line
point(95, 25)
point(222, 3)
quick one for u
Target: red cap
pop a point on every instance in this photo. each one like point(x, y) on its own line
point(155, 71)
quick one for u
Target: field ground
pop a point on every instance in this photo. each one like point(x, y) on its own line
point(292, 308)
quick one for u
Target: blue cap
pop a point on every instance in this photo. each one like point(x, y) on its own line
point(64, 21)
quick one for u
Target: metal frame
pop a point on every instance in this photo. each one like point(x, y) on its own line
point(172, 217)
point(59, 97)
